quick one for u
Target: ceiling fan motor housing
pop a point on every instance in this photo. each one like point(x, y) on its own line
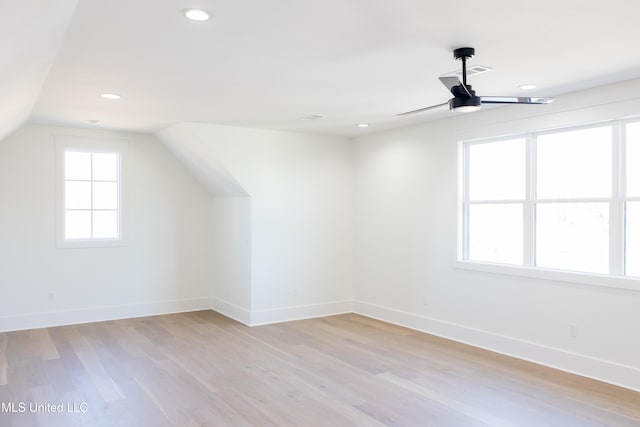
point(464, 98)
point(459, 103)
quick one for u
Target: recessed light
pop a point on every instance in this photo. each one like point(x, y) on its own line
point(94, 122)
point(527, 86)
point(196, 14)
point(110, 95)
point(363, 125)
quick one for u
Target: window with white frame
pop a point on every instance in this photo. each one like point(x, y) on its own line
point(89, 191)
point(632, 199)
point(566, 199)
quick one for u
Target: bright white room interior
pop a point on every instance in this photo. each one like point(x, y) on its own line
point(235, 199)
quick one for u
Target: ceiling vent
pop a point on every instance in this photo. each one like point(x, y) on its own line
point(313, 117)
point(471, 71)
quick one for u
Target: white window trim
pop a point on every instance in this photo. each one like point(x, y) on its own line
point(602, 280)
point(94, 145)
point(616, 278)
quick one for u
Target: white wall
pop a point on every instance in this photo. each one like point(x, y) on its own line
point(406, 225)
point(301, 213)
point(232, 257)
point(165, 267)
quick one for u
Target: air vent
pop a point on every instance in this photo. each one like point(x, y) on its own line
point(313, 117)
point(476, 69)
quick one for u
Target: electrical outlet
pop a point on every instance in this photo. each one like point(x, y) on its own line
point(52, 296)
point(573, 330)
point(295, 292)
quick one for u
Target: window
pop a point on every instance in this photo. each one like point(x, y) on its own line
point(496, 192)
point(632, 199)
point(89, 192)
point(573, 199)
point(562, 200)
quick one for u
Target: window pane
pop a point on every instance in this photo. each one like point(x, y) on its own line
point(77, 165)
point(105, 224)
point(573, 236)
point(633, 160)
point(495, 233)
point(77, 195)
point(77, 225)
point(574, 164)
point(632, 239)
point(497, 170)
point(105, 195)
point(105, 166)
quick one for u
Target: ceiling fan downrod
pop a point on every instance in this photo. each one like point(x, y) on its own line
point(464, 53)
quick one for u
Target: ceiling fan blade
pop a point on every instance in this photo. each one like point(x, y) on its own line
point(433, 107)
point(514, 100)
point(450, 82)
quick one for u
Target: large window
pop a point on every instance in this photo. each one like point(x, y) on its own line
point(89, 192)
point(632, 199)
point(562, 200)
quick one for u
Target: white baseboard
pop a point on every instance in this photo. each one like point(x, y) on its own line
point(286, 314)
point(99, 314)
point(232, 311)
point(603, 370)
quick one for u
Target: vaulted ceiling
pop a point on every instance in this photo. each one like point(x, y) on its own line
point(273, 63)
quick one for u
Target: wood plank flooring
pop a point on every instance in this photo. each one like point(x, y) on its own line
point(203, 369)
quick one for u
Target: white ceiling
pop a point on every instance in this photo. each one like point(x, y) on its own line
point(27, 49)
point(269, 63)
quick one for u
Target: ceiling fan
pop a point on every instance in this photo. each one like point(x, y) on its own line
point(464, 98)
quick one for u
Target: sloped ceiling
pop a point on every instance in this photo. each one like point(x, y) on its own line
point(191, 148)
point(271, 63)
point(31, 33)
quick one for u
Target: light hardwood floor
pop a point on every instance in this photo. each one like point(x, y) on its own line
point(203, 369)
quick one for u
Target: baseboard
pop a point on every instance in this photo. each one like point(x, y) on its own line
point(603, 370)
point(598, 369)
point(286, 314)
point(103, 313)
point(232, 311)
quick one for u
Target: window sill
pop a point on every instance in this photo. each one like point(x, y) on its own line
point(602, 280)
point(94, 243)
